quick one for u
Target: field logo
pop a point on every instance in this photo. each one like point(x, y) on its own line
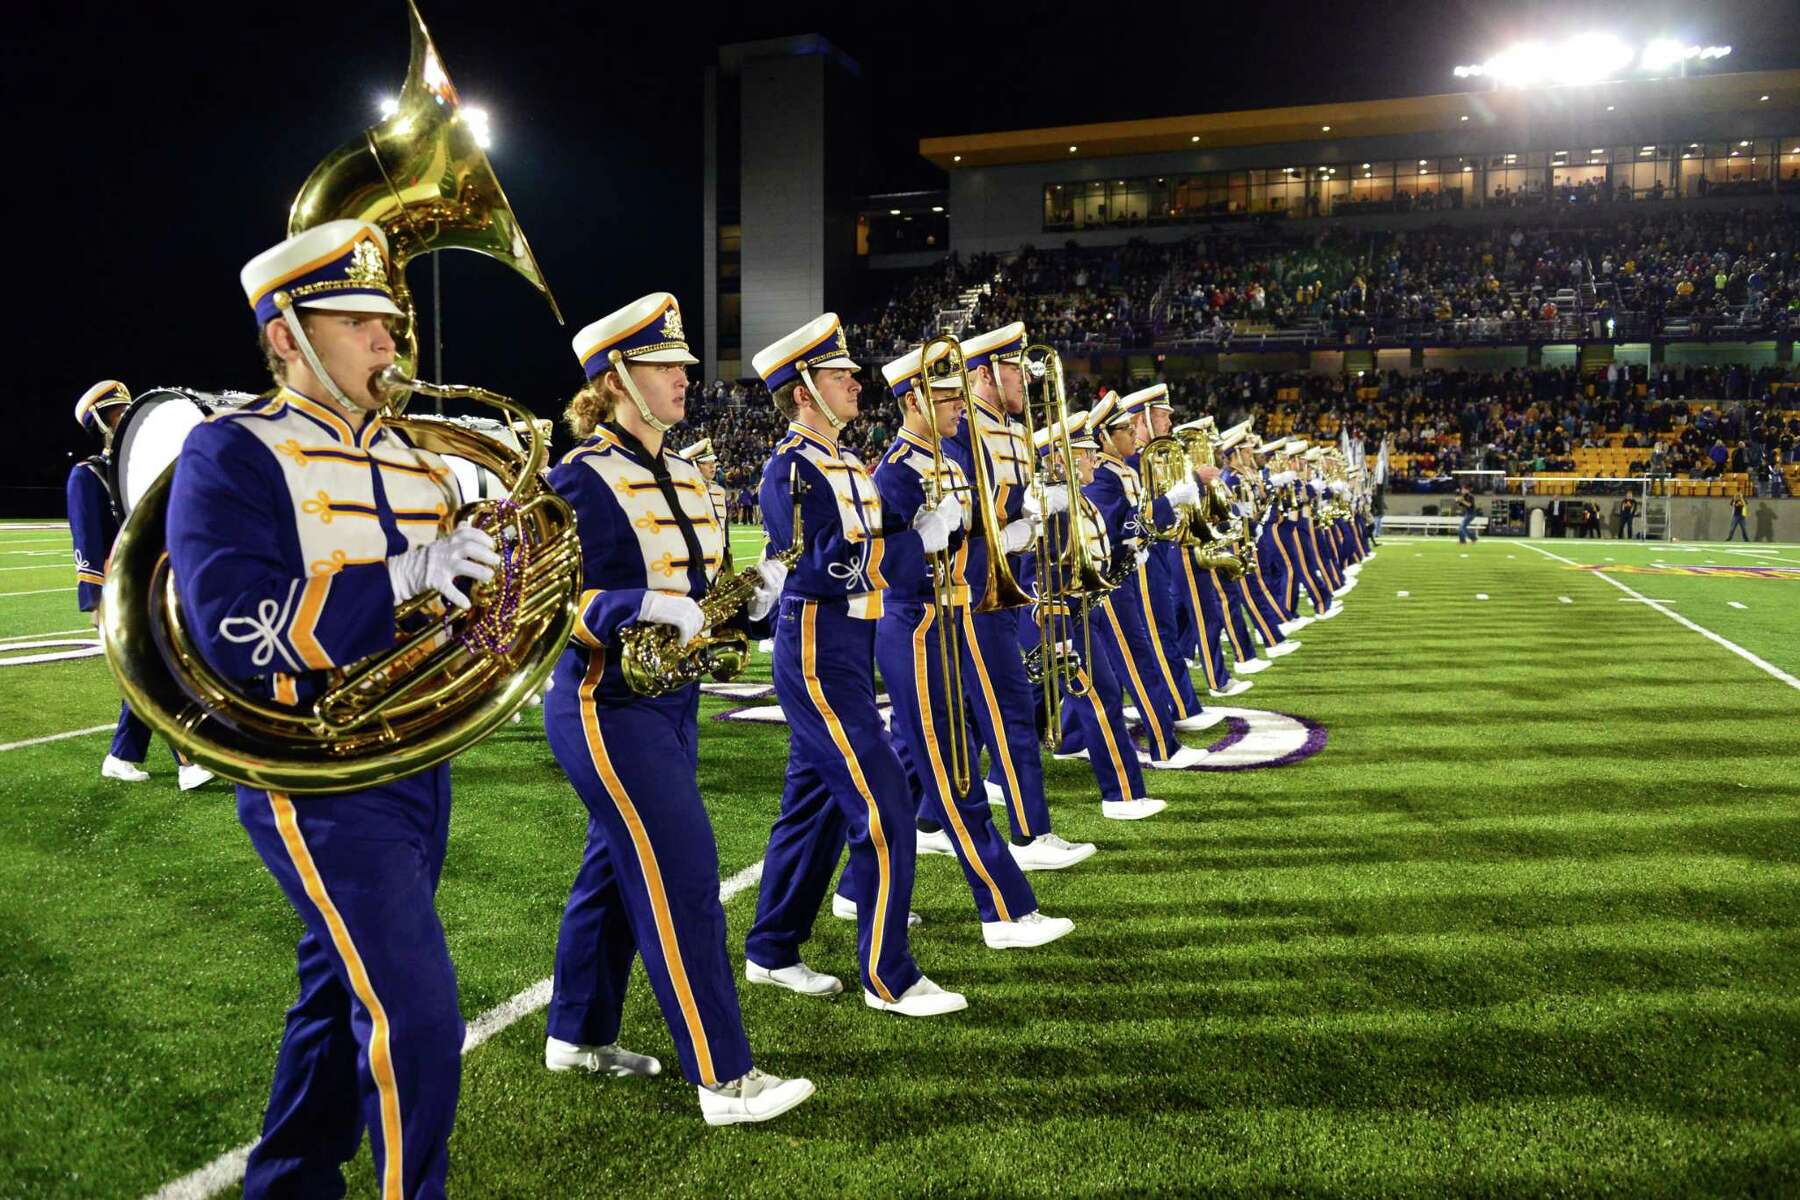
point(1250, 738)
point(49, 650)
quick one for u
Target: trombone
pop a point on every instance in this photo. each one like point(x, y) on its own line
point(1070, 575)
point(947, 351)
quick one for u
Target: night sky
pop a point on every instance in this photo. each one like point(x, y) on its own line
point(155, 147)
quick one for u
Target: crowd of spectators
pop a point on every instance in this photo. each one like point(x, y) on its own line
point(1434, 422)
point(1698, 271)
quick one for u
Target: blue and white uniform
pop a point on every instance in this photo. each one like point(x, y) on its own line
point(844, 781)
point(282, 517)
point(648, 885)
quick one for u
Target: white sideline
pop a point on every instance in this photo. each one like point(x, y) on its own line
point(56, 737)
point(37, 592)
point(1708, 634)
point(228, 1169)
point(27, 637)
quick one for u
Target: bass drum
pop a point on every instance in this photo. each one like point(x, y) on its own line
point(477, 482)
point(148, 437)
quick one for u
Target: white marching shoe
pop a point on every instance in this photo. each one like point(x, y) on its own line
point(797, 978)
point(767, 645)
point(601, 1060)
point(1282, 649)
point(1133, 715)
point(936, 842)
point(1047, 852)
point(844, 909)
point(922, 999)
point(193, 775)
point(1236, 687)
point(1032, 929)
point(1252, 666)
point(995, 793)
point(1181, 760)
point(753, 1096)
point(1204, 719)
point(1081, 754)
point(118, 768)
point(1289, 628)
point(1132, 810)
point(1331, 612)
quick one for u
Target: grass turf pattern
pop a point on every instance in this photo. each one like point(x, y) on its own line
point(1527, 924)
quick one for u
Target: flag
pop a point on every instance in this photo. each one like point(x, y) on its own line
point(1381, 464)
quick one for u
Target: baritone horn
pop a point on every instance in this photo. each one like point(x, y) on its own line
point(452, 678)
point(946, 352)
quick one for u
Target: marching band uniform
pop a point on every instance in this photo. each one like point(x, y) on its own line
point(1124, 629)
point(1156, 580)
point(92, 527)
point(701, 454)
point(1093, 722)
point(909, 651)
point(1004, 701)
point(843, 778)
point(648, 885)
point(295, 526)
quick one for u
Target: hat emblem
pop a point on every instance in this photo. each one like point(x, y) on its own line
point(671, 326)
point(368, 267)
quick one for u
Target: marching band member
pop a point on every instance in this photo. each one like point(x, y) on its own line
point(1274, 566)
point(92, 527)
point(651, 545)
point(295, 527)
point(1124, 631)
point(909, 647)
point(843, 777)
point(1290, 533)
point(1004, 699)
point(1252, 590)
point(1311, 490)
point(701, 455)
point(1156, 581)
point(1093, 721)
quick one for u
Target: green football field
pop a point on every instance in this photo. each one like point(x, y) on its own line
point(1528, 923)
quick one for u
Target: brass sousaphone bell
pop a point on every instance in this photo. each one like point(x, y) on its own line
point(421, 176)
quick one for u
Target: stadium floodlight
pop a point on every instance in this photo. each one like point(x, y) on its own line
point(479, 126)
point(1584, 58)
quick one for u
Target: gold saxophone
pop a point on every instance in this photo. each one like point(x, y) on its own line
point(654, 663)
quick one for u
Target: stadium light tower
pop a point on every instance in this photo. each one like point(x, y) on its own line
point(1586, 58)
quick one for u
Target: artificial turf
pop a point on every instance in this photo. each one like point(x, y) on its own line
point(1526, 925)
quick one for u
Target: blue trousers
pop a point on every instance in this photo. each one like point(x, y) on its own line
point(1156, 588)
point(649, 879)
point(1317, 543)
point(912, 666)
point(844, 782)
point(1095, 722)
point(1237, 624)
point(1463, 532)
point(1303, 569)
point(1120, 626)
point(131, 740)
point(1003, 704)
point(1278, 569)
point(1203, 595)
point(1259, 607)
point(375, 1039)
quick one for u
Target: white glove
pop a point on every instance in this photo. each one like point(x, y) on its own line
point(435, 566)
point(934, 528)
point(666, 608)
point(1184, 493)
point(1018, 535)
point(764, 597)
point(1143, 555)
point(1056, 500)
point(951, 509)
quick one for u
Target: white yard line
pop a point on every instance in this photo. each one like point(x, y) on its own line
point(228, 1169)
point(26, 637)
point(55, 737)
point(49, 566)
point(1760, 663)
point(37, 592)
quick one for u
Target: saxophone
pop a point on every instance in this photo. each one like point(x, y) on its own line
point(654, 663)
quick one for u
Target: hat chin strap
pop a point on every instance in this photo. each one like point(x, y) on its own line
point(836, 422)
point(285, 303)
point(618, 363)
